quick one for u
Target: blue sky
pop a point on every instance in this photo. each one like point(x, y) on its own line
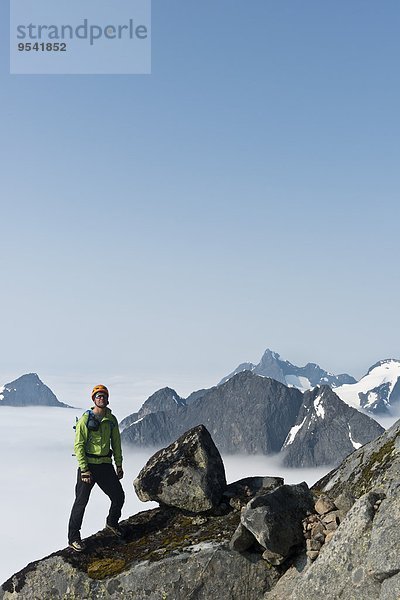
point(242, 196)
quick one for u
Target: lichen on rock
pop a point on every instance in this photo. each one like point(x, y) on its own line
point(105, 567)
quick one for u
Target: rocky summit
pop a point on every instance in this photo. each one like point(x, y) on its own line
point(262, 540)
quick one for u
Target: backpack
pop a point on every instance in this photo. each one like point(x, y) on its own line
point(92, 423)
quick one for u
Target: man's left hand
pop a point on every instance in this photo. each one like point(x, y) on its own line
point(120, 472)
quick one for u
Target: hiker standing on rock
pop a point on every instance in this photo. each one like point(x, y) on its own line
point(96, 431)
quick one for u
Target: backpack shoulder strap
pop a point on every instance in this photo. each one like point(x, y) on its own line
point(87, 412)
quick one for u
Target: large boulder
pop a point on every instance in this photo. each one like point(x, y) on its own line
point(275, 521)
point(189, 474)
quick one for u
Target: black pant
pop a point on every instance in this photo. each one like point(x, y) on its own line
point(106, 478)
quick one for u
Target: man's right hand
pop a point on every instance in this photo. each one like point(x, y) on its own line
point(86, 477)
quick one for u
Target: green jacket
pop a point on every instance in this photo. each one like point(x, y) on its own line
point(97, 442)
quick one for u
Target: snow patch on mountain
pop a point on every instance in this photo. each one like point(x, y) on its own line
point(293, 432)
point(355, 445)
point(319, 408)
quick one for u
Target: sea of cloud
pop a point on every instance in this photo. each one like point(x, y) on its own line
point(38, 473)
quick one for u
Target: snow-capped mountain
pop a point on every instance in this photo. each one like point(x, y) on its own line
point(378, 391)
point(303, 378)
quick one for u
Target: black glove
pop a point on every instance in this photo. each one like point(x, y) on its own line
point(120, 472)
point(86, 477)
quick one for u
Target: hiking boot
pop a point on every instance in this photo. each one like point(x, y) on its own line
point(77, 545)
point(116, 529)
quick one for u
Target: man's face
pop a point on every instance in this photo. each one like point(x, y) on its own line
point(101, 399)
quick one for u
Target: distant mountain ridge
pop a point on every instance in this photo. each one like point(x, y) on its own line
point(377, 392)
point(303, 378)
point(256, 414)
point(28, 390)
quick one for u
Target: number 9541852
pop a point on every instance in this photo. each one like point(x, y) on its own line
point(42, 47)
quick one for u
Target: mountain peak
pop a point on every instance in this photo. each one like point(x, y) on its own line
point(27, 377)
point(271, 354)
point(386, 362)
point(303, 378)
point(28, 390)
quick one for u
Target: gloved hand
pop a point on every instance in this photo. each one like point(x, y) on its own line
point(86, 477)
point(120, 472)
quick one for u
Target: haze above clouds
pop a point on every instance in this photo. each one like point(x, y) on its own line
point(243, 196)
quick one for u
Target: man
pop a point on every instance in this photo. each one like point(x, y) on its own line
point(96, 430)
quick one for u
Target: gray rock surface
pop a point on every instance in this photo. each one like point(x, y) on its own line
point(374, 465)
point(383, 561)
point(340, 570)
point(242, 539)
point(198, 572)
point(164, 555)
point(390, 588)
point(189, 474)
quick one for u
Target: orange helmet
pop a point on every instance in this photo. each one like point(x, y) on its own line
point(99, 388)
